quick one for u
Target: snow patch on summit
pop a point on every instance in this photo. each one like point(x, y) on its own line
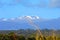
point(33, 17)
point(29, 17)
point(4, 19)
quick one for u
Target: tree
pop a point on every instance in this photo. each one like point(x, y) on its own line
point(12, 36)
point(5, 37)
point(44, 38)
point(1, 36)
point(21, 37)
point(31, 38)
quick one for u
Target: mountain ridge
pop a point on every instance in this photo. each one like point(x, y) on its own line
point(21, 23)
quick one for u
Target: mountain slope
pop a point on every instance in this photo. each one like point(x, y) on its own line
point(23, 23)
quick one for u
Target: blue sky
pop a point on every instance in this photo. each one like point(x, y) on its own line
point(16, 8)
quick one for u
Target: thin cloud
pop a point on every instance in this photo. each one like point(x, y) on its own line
point(31, 4)
point(55, 3)
point(28, 3)
point(25, 3)
point(8, 3)
point(42, 3)
point(34, 5)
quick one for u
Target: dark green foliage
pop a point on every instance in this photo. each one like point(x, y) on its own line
point(13, 36)
point(44, 38)
point(1, 36)
point(5, 37)
point(28, 35)
point(21, 37)
point(32, 38)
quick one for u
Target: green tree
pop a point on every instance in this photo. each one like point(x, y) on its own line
point(44, 38)
point(5, 37)
point(12, 36)
point(1, 36)
point(31, 38)
point(21, 37)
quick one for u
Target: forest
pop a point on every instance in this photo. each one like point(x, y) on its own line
point(29, 34)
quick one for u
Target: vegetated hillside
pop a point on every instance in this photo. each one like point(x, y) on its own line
point(28, 32)
point(23, 23)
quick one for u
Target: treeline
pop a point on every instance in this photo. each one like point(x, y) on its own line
point(29, 34)
point(13, 36)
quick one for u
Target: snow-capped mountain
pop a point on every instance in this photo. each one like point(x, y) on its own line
point(22, 22)
point(22, 18)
